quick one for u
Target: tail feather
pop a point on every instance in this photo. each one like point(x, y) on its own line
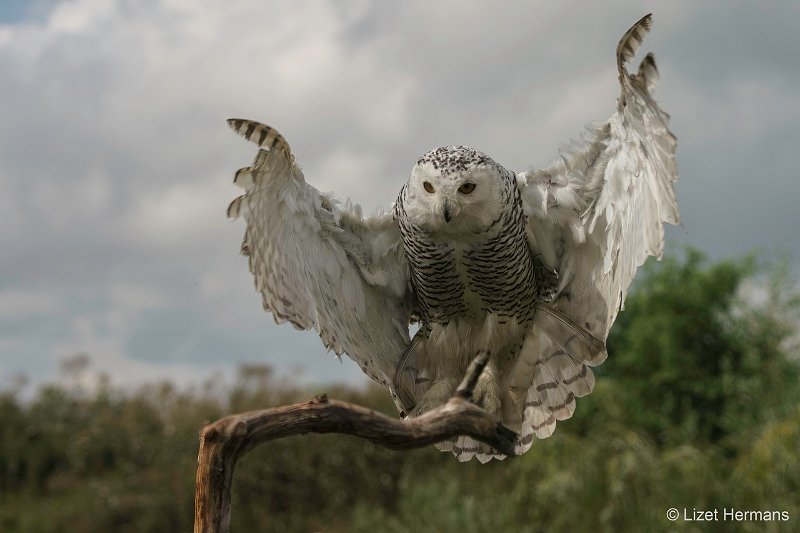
point(552, 370)
point(465, 448)
point(553, 393)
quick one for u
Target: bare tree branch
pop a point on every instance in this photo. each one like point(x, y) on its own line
point(223, 442)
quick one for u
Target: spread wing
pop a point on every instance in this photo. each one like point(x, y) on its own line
point(595, 215)
point(319, 264)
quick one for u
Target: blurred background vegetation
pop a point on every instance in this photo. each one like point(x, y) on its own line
point(698, 406)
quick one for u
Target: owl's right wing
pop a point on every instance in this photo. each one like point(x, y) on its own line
point(321, 265)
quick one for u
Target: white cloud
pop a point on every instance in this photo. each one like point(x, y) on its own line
point(103, 338)
point(356, 174)
point(63, 203)
point(78, 16)
point(179, 213)
point(17, 304)
point(104, 334)
point(746, 109)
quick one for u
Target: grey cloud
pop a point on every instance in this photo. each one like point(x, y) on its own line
point(115, 163)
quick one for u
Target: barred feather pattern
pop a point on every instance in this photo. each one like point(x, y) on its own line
point(499, 267)
point(500, 271)
point(438, 288)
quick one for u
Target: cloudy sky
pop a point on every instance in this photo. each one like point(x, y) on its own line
point(116, 164)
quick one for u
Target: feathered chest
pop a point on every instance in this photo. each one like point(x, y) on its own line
point(490, 272)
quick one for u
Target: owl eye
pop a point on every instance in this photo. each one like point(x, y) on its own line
point(428, 187)
point(466, 188)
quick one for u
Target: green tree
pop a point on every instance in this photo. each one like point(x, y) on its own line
point(701, 352)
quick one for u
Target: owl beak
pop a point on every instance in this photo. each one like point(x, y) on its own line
point(447, 213)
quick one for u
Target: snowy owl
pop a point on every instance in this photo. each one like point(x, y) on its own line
point(530, 267)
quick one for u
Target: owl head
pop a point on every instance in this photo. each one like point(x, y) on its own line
point(455, 190)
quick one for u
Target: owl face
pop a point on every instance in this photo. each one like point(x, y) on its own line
point(455, 190)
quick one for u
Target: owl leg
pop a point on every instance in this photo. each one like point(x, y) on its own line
point(486, 393)
point(487, 390)
point(438, 394)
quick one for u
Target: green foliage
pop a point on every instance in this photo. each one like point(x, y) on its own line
point(767, 475)
point(703, 352)
point(698, 406)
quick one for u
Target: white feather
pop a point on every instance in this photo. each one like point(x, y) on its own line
point(319, 265)
point(602, 206)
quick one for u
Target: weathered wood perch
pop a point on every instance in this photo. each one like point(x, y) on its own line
point(224, 441)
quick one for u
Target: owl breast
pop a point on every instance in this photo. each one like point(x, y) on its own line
point(492, 272)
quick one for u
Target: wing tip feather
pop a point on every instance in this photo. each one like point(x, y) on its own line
point(648, 72)
point(631, 41)
point(234, 207)
point(261, 134)
point(244, 178)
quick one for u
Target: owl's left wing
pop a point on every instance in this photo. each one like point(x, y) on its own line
point(594, 216)
point(321, 265)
